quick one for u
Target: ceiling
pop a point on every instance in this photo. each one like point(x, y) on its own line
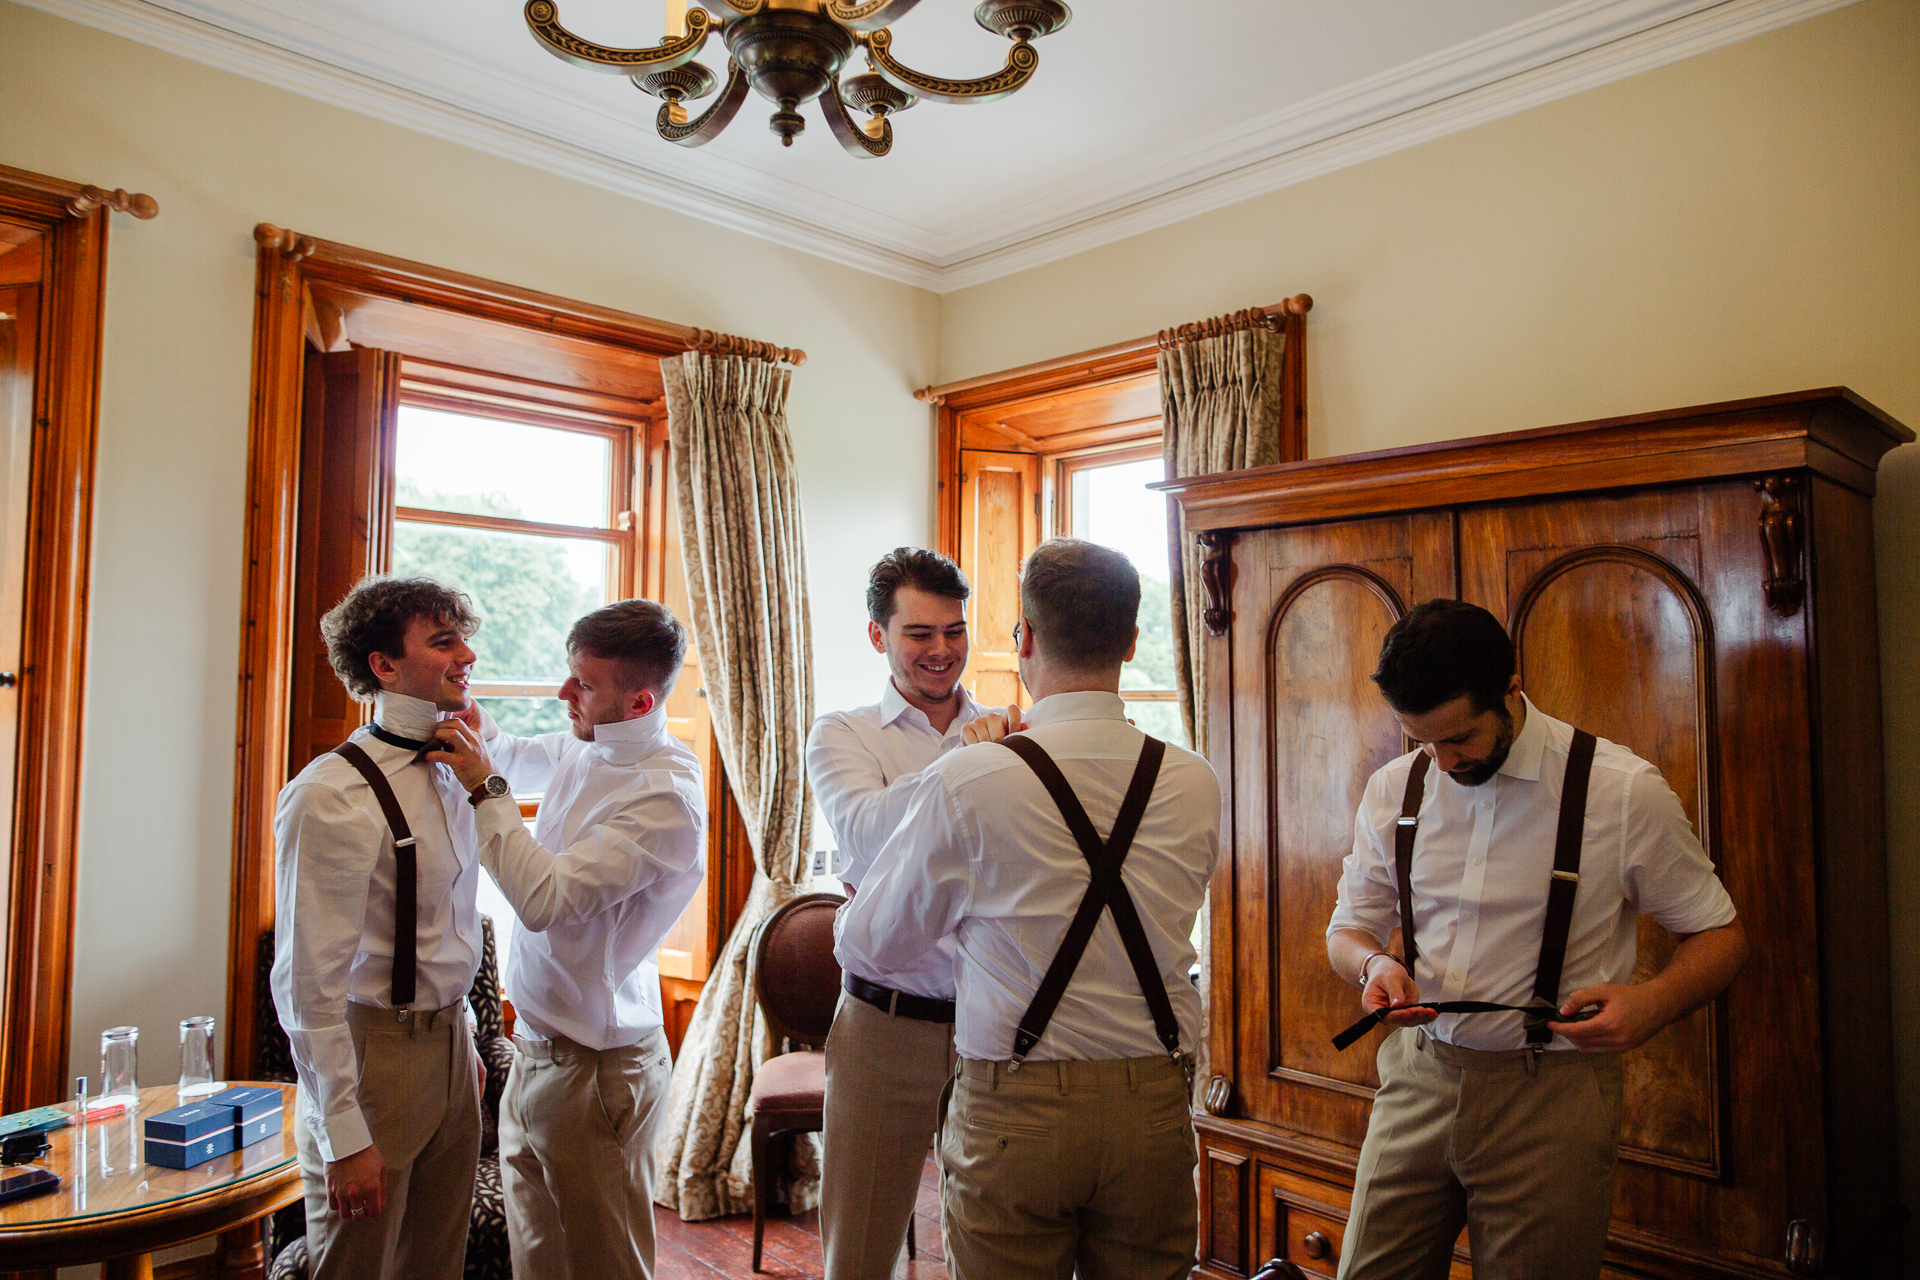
point(1115, 134)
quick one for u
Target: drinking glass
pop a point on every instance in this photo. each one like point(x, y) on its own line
point(120, 1066)
point(196, 1057)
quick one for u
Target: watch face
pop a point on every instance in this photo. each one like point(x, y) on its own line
point(496, 785)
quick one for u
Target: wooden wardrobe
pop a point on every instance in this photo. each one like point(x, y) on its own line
point(1697, 585)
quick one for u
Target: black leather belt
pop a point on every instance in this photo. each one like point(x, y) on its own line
point(898, 1003)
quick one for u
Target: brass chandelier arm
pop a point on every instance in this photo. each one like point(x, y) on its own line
point(870, 16)
point(847, 131)
point(1021, 61)
point(706, 126)
point(745, 8)
point(543, 18)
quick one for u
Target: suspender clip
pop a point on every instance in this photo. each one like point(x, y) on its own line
point(1013, 1063)
point(401, 844)
point(1408, 821)
point(1573, 876)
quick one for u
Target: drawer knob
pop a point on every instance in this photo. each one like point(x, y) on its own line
point(1317, 1245)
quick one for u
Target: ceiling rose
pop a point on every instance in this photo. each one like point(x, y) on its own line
point(792, 52)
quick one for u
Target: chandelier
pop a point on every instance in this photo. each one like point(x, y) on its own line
point(792, 52)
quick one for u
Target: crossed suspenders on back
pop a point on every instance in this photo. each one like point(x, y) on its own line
point(1107, 891)
point(1561, 888)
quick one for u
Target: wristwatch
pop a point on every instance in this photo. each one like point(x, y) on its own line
point(495, 786)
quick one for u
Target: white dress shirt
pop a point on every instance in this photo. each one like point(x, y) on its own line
point(333, 928)
point(863, 765)
point(1482, 861)
point(613, 859)
point(983, 854)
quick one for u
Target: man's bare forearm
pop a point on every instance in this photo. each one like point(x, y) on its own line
point(1348, 949)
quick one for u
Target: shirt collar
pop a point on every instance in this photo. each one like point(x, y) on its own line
point(404, 716)
point(894, 704)
point(1091, 705)
point(625, 741)
point(1529, 746)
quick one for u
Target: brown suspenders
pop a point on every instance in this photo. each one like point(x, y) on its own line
point(405, 876)
point(1105, 891)
point(1562, 887)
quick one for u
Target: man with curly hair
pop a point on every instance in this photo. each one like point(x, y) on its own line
point(376, 943)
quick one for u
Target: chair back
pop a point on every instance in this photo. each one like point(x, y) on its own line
point(795, 977)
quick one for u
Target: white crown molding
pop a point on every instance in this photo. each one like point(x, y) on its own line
point(1576, 47)
point(1723, 24)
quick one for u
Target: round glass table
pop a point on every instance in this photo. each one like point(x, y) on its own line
point(113, 1208)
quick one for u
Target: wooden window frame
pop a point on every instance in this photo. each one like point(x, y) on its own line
point(35, 1029)
point(479, 341)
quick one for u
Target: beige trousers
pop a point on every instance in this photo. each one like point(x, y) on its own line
point(886, 1077)
point(576, 1157)
point(1069, 1164)
point(1518, 1149)
point(420, 1094)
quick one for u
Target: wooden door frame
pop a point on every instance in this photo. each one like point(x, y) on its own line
point(308, 290)
point(36, 1023)
point(1087, 369)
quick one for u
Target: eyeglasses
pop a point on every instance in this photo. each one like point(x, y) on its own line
point(1016, 632)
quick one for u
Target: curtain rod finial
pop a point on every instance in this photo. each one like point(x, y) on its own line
point(139, 204)
point(1299, 304)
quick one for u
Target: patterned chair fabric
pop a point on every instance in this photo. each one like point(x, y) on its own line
point(487, 1256)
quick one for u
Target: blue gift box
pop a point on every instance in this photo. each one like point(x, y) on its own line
point(248, 1102)
point(259, 1129)
point(187, 1136)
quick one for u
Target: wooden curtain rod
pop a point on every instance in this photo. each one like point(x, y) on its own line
point(726, 344)
point(84, 199)
point(1298, 305)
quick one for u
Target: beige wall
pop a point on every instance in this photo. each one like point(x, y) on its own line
point(1741, 223)
point(222, 153)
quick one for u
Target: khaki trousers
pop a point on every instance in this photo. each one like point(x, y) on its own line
point(576, 1157)
point(420, 1094)
point(1069, 1164)
point(1518, 1148)
point(886, 1077)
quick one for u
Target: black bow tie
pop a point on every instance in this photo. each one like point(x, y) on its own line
point(1534, 1013)
point(395, 740)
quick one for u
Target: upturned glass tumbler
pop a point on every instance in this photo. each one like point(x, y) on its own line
point(196, 1057)
point(120, 1066)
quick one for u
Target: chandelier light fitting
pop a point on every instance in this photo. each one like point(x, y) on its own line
point(791, 52)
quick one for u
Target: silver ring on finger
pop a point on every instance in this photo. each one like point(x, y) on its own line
point(357, 1211)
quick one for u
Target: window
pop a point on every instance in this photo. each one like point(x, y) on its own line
point(1104, 499)
point(523, 518)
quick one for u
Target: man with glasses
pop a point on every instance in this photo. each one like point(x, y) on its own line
point(1065, 860)
point(890, 1053)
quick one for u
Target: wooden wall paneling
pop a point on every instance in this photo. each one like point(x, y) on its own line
point(999, 525)
point(348, 430)
point(1852, 891)
point(71, 229)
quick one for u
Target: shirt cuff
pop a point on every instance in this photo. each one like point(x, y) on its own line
point(495, 816)
point(343, 1135)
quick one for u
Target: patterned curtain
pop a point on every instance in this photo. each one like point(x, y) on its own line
point(1220, 411)
point(741, 537)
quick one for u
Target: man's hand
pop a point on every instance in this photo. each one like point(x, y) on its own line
point(992, 727)
point(458, 746)
point(1389, 986)
point(1628, 1018)
point(357, 1184)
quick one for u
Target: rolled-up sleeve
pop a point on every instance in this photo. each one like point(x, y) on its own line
point(326, 849)
point(657, 833)
point(1369, 895)
point(917, 890)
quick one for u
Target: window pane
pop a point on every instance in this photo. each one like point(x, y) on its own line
point(529, 590)
point(528, 717)
point(1113, 506)
point(1161, 719)
point(486, 467)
